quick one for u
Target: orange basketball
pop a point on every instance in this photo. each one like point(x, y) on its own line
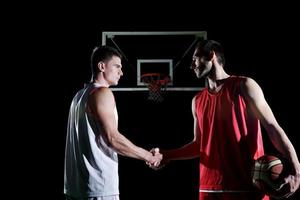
point(267, 174)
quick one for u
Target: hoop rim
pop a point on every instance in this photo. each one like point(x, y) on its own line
point(163, 79)
point(150, 74)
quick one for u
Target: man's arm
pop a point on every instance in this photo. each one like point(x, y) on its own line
point(188, 151)
point(102, 105)
point(260, 108)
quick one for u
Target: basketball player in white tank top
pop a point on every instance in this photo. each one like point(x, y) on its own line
point(93, 140)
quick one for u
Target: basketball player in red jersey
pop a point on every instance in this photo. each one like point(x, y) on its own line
point(227, 135)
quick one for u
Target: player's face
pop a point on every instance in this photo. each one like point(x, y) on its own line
point(200, 65)
point(113, 71)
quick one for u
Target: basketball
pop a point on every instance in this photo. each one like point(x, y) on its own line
point(267, 174)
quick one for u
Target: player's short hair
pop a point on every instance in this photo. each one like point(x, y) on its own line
point(104, 54)
point(206, 46)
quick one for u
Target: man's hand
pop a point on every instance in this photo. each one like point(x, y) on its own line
point(159, 164)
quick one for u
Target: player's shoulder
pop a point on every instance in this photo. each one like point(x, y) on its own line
point(102, 92)
point(249, 86)
point(248, 81)
point(103, 89)
point(241, 78)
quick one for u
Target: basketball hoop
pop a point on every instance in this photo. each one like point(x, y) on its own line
point(157, 84)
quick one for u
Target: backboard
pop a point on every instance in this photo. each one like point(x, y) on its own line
point(167, 53)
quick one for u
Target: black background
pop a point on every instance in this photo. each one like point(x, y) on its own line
point(48, 49)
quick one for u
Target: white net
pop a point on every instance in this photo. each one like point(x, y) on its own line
point(155, 91)
point(157, 84)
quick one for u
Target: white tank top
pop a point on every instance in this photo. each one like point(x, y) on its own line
point(91, 166)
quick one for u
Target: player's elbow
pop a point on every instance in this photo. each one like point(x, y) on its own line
point(112, 139)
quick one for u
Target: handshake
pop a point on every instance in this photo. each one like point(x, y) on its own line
point(158, 159)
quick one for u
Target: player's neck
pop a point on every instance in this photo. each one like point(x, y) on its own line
point(101, 82)
point(215, 81)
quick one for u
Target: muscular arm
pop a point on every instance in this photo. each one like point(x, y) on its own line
point(102, 105)
point(188, 151)
point(260, 108)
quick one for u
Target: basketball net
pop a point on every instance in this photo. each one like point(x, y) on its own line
point(155, 91)
point(156, 86)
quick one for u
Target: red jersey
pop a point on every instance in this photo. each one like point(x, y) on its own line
point(230, 138)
